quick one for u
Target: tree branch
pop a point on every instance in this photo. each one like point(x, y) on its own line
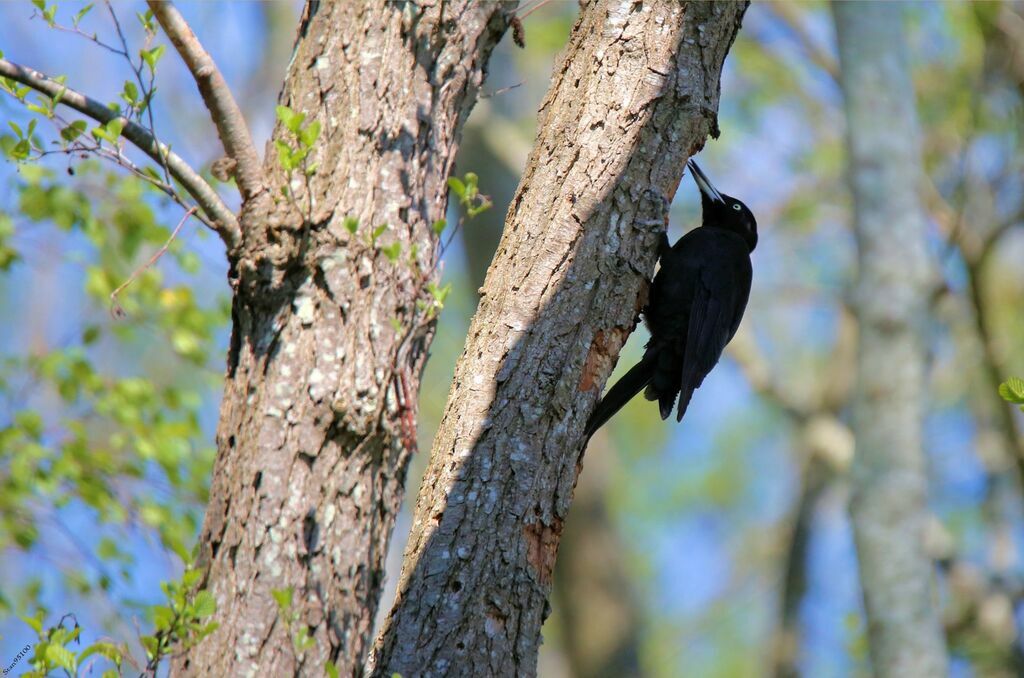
point(224, 219)
point(224, 111)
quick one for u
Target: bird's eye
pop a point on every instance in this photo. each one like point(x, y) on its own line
point(736, 206)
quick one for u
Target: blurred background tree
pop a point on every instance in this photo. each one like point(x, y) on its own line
point(719, 547)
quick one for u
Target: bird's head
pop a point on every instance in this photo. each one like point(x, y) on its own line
point(724, 211)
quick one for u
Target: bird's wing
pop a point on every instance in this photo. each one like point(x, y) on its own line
point(720, 296)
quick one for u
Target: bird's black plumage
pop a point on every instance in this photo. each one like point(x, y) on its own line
point(697, 300)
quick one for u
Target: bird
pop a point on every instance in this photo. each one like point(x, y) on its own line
point(695, 306)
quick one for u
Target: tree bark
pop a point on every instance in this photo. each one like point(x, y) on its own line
point(889, 481)
point(318, 417)
point(599, 614)
point(635, 94)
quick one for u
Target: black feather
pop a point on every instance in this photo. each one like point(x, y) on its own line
point(631, 383)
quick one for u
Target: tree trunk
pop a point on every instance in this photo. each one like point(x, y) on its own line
point(318, 417)
point(889, 481)
point(635, 94)
point(597, 612)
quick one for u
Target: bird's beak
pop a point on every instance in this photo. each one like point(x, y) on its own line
point(703, 183)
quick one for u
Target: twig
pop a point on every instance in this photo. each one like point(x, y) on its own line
point(226, 115)
point(146, 88)
point(533, 9)
point(502, 90)
point(225, 222)
point(115, 308)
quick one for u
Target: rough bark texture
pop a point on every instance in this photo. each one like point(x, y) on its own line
point(597, 612)
point(889, 481)
point(317, 422)
point(635, 94)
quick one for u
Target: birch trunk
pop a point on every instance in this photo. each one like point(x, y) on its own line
point(889, 483)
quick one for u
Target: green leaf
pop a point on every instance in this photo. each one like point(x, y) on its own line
point(482, 206)
point(439, 226)
point(285, 155)
point(41, 4)
point(396, 324)
point(291, 119)
point(130, 93)
point(21, 150)
point(351, 224)
point(17, 128)
point(41, 110)
point(104, 649)
point(80, 14)
point(146, 20)
point(458, 188)
point(163, 617)
point(283, 598)
point(378, 232)
point(439, 293)
point(110, 131)
point(207, 630)
point(1012, 390)
point(190, 578)
point(205, 604)
point(62, 657)
point(392, 251)
point(304, 641)
point(49, 13)
point(332, 670)
point(35, 622)
point(114, 128)
point(151, 645)
point(73, 131)
point(152, 56)
point(310, 134)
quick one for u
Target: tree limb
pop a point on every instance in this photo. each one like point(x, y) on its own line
point(224, 111)
point(224, 219)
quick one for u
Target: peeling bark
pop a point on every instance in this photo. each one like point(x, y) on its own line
point(318, 416)
point(635, 94)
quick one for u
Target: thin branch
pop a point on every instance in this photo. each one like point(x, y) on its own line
point(975, 255)
point(226, 115)
point(146, 89)
point(115, 308)
point(226, 224)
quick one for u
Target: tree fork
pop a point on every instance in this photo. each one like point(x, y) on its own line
point(312, 453)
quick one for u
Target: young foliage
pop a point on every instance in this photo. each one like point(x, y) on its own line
point(469, 195)
point(52, 653)
point(299, 633)
point(181, 623)
point(1012, 391)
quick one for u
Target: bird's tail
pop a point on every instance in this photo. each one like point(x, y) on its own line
point(622, 392)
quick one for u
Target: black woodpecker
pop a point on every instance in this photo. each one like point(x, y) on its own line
point(696, 303)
